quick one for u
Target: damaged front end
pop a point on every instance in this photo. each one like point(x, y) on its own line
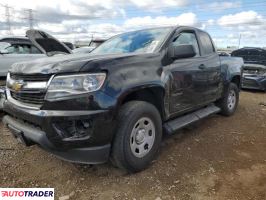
point(254, 77)
point(254, 71)
point(2, 92)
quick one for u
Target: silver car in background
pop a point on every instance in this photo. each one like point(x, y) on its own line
point(12, 50)
point(37, 44)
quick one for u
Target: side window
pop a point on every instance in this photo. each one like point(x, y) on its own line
point(26, 49)
point(207, 46)
point(187, 38)
point(18, 49)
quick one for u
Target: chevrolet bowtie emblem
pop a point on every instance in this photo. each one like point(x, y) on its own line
point(17, 86)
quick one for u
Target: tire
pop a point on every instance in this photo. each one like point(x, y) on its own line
point(229, 102)
point(138, 137)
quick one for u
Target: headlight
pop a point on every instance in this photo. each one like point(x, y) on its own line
point(63, 86)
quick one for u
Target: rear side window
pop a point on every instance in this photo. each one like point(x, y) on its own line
point(207, 46)
point(34, 50)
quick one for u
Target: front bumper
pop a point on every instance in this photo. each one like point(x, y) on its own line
point(56, 131)
point(28, 135)
point(254, 82)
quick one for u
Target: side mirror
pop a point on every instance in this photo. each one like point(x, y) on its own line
point(181, 51)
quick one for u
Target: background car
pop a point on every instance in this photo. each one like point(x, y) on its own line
point(222, 53)
point(12, 50)
point(18, 49)
point(254, 71)
point(96, 42)
point(69, 45)
point(87, 49)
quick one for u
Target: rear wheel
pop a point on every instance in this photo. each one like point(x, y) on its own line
point(138, 136)
point(229, 102)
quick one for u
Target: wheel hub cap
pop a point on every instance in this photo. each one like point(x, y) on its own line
point(231, 100)
point(142, 137)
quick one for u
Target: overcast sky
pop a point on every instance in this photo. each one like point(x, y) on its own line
point(78, 19)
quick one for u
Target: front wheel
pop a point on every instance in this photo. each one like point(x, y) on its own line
point(138, 136)
point(229, 102)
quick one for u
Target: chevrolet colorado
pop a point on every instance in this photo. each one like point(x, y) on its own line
point(114, 103)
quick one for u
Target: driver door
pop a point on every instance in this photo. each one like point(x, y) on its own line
point(188, 80)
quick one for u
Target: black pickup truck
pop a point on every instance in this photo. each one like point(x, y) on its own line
point(115, 103)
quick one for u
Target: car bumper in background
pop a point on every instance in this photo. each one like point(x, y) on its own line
point(254, 82)
point(2, 97)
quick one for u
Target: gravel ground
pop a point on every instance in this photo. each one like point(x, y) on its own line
point(219, 158)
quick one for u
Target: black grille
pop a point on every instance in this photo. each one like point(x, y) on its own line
point(254, 70)
point(30, 96)
point(41, 77)
point(250, 83)
point(250, 71)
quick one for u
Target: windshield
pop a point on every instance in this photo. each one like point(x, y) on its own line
point(145, 41)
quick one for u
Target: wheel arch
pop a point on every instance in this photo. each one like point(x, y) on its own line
point(153, 94)
point(237, 80)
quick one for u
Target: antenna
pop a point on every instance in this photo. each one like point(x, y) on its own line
point(239, 40)
point(30, 17)
point(8, 23)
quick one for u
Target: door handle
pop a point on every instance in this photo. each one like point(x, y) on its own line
point(202, 66)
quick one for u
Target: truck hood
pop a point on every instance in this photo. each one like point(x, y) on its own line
point(251, 55)
point(46, 43)
point(75, 62)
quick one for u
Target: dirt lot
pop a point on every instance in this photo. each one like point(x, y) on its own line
point(220, 158)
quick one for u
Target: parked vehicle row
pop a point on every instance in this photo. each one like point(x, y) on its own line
point(116, 102)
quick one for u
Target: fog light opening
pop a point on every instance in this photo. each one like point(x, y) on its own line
point(74, 129)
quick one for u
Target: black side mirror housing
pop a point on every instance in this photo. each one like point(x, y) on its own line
point(181, 51)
